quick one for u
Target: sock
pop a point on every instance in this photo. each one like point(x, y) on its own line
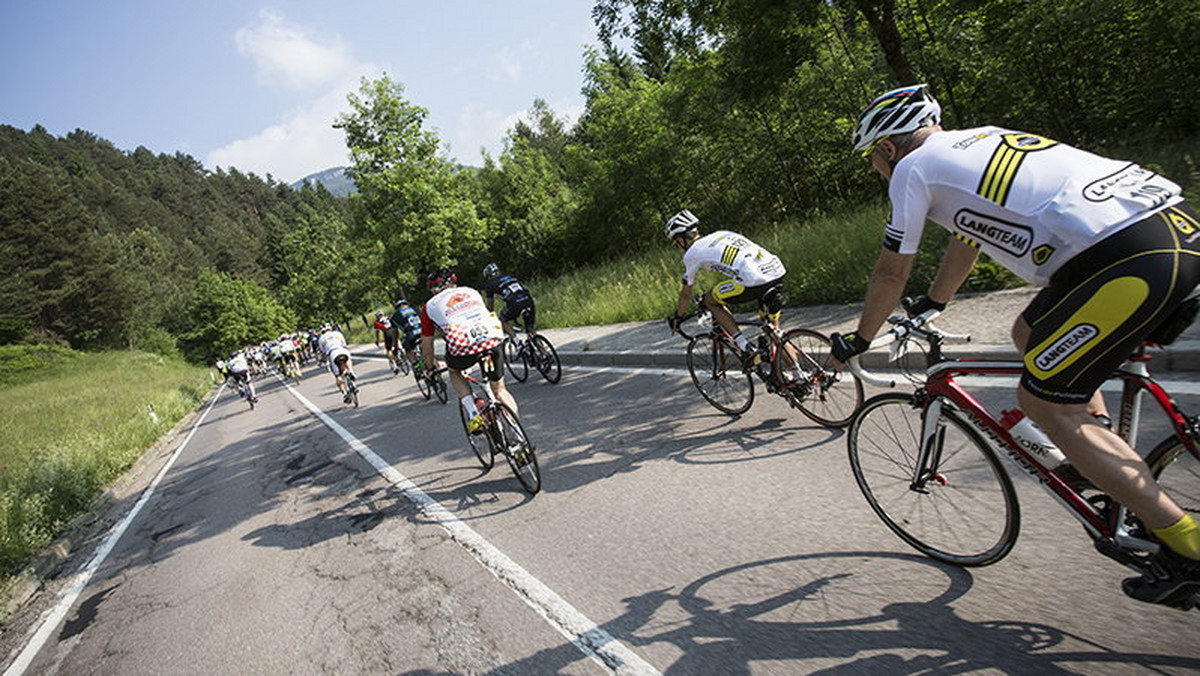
point(468, 403)
point(1183, 537)
point(742, 341)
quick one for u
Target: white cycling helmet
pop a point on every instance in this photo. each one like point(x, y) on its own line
point(899, 111)
point(681, 223)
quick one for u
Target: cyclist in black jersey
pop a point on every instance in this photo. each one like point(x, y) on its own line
point(518, 301)
point(1114, 247)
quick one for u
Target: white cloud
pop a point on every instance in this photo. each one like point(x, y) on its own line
point(508, 63)
point(480, 127)
point(288, 54)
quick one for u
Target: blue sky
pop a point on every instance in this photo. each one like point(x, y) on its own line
point(257, 85)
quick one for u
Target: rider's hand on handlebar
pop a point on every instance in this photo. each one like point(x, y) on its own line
point(915, 307)
point(673, 321)
point(848, 345)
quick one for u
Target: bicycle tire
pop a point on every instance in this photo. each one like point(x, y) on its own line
point(951, 518)
point(826, 396)
point(402, 363)
point(516, 361)
point(423, 385)
point(522, 461)
point(546, 358)
point(352, 390)
point(486, 456)
point(439, 387)
point(717, 374)
point(1182, 482)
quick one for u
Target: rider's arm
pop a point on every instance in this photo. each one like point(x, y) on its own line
point(884, 291)
point(685, 297)
point(427, 352)
point(960, 257)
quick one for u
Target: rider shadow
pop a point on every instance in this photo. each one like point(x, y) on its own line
point(840, 612)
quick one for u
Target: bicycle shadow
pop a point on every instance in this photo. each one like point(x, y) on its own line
point(833, 613)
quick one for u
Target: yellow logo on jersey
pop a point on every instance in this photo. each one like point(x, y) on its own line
point(1002, 169)
point(1042, 254)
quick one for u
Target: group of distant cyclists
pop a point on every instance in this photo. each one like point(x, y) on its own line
point(1112, 245)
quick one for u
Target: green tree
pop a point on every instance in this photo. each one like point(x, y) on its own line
point(227, 314)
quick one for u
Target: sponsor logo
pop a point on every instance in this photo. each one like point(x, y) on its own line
point(1010, 237)
point(972, 140)
point(1102, 188)
point(1072, 340)
point(1042, 254)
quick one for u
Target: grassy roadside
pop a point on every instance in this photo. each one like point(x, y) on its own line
point(70, 423)
point(828, 259)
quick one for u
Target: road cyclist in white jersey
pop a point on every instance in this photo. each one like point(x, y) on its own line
point(471, 333)
point(752, 272)
point(239, 371)
point(1114, 247)
point(333, 345)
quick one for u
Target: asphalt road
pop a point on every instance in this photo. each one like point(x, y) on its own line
point(674, 538)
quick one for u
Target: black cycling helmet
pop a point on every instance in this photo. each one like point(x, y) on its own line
point(440, 277)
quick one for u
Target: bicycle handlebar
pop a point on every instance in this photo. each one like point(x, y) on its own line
point(903, 329)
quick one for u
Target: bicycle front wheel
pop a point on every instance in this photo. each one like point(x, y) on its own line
point(515, 360)
point(517, 449)
point(481, 444)
point(717, 373)
point(545, 358)
point(439, 387)
point(958, 507)
point(810, 383)
point(424, 385)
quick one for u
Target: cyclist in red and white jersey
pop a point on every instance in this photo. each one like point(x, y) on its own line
point(753, 273)
point(391, 335)
point(1112, 243)
point(471, 332)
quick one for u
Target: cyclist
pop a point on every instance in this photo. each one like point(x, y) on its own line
point(518, 301)
point(471, 332)
point(333, 345)
point(239, 371)
point(223, 369)
point(1113, 246)
point(409, 322)
point(383, 325)
point(754, 274)
point(288, 357)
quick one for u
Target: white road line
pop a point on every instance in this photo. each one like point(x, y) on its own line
point(80, 580)
point(584, 633)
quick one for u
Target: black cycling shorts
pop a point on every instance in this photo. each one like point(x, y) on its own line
point(410, 342)
point(524, 310)
point(730, 292)
point(389, 339)
point(464, 362)
point(1104, 302)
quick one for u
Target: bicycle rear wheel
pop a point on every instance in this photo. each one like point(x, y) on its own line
point(481, 444)
point(717, 373)
point(1178, 473)
point(352, 390)
point(825, 395)
point(961, 508)
point(438, 385)
point(515, 360)
point(402, 363)
point(517, 450)
point(545, 358)
point(424, 385)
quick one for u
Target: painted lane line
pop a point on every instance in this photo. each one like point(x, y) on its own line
point(572, 624)
point(81, 578)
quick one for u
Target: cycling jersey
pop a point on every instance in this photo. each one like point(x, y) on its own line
point(1029, 202)
point(511, 291)
point(383, 324)
point(331, 340)
point(463, 319)
point(238, 364)
point(729, 253)
point(408, 320)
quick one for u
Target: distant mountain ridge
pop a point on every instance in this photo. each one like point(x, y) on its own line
point(334, 179)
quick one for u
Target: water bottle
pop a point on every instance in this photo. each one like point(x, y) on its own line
point(1032, 439)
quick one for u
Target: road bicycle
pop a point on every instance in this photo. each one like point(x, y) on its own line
point(244, 390)
point(927, 462)
point(431, 383)
point(351, 388)
point(502, 433)
point(795, 364)
point(535, 350)
point(403, 366)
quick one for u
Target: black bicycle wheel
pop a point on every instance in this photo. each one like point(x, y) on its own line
point(517, 450)
point(717, 373)
point(482, 444)
point(961, 509)
point(402, 363)
point(423, 384)
point(439, 387)
point(1178, 473)
point(352, 389)
point(515, 360)
point(545, 358)
point(803, 368)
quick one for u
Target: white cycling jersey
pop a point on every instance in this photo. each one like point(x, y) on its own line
point(330, 341)
point(464, 321)
point(731, 254)
point(1029, 202)
point(238, 364)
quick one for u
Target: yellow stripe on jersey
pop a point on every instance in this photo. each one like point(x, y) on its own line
point(729, 255)
point(1100, 316)
point(1001, 170)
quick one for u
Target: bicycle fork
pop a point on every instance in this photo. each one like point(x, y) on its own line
point(929, 457)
